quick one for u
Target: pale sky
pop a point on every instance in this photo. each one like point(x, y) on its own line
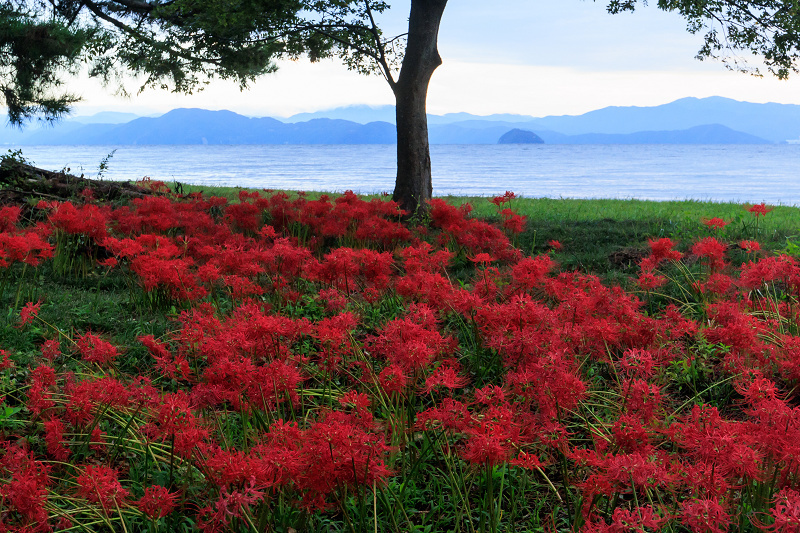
point(530, 57)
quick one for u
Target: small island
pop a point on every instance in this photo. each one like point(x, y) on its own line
point(518, 136)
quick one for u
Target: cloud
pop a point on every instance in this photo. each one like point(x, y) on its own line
point(537, 57)
point(547, 90)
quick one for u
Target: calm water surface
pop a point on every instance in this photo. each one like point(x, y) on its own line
point(752, 173)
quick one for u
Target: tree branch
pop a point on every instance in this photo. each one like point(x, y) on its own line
point(94, 8)
point(385, 70)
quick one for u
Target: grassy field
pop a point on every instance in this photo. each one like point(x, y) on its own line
point(452, 375)
point(606, 236)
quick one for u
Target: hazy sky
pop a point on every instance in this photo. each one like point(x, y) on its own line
point(533, 57)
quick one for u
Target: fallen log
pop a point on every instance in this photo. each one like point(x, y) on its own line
point(20, 182)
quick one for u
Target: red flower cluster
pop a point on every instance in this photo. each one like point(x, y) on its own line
point(321, 347)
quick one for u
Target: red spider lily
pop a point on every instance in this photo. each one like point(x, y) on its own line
point(29, 247)
point(489, 437)
point(268, 232)
point(359, 400)
point(475, 235)
point(773, 429)
point(643, 399)
point(430, 288)
point(234, 468)
point(598, 317)
point(485, 286)
point(153, 185)
point(334, 300)
point(233, 504)
point(43, 378)
point(241, 287)
point(771, 269)
point(175, 422)
point(412, 342)
point(349, 270)
point(100, 484)
point(28, 312)
point(245, 216)
point(735, 328)
point(93, 349)
point(50, 349)
point(175, 367)
point(675, 326)
point(386, 233)
point(718, 443)
point(759, 209)
point(54, 437)
point(788, 359)
point(490, 442)
point(157, 502)
point(89, 219)
point(9, 216)
point(335, 452)
point(24, 490)
point(87, 194)
point(630, 435)
point(110, 262)
point(712, 250)
point(627, 521)
point(750, 246)
point(383, 328)
point(555, 245)
point(513, 222)
point(446, 376)
point(175, 275)
point(392, 380)
point(286, 258)
point(715, 223)
point(531, 271)
point(704, 516)
point(785, 513)
point(648, 281)
point(88, 398)
point(451, 415)
point(160, 214)
point(638, 362)
point(717, 284)
point(98, 440)
point(527, 461)
point(6, 363)
point(623, 473)
point(335, 333)
point(660, 250)
point(482, 258)
point(422, 257)
point(500, 200)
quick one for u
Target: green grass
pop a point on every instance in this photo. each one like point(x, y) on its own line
point(608, 236)
point(604, 237)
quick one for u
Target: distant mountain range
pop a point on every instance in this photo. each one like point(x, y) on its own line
point(712, 120)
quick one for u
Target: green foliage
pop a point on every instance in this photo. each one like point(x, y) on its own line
point(178, 45)
point(35, 50)
point(102, 168)
point(768, 29)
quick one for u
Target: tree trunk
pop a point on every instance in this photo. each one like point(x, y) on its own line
point(413, 188)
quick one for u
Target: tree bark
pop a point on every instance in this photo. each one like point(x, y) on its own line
point(413, 187)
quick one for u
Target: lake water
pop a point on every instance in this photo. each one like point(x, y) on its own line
point(743, 173)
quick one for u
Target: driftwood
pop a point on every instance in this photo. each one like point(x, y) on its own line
point(20, 182)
